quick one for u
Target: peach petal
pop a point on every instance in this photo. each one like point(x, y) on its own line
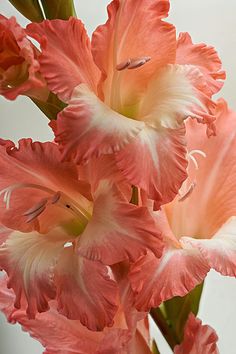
point(33, 163)
point(20, 68)
point(205, 58)
point(147, 161)
point(220, 250)
point(117, 230)
point(85, 289)
point(28, 260)
point(74, 63)
point(143, 34)
point(212, 201)
point(88, 128)
point(176, 273)
point(198, 338)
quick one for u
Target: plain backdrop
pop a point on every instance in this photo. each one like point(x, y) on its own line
point(209, 21)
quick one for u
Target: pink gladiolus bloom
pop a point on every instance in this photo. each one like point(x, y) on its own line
point(129, 91)
point(199, 226)
point(59, 335)
point(19, 66)
point(65, 233)
point(198, 338)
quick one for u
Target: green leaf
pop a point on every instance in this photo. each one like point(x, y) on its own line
point(178, 309)
point(58, 9)
point(51, 107)
point(29, 8)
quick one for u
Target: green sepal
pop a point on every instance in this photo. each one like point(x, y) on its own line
point(29, 8)
point(58, 9)
point(51, 107)
point(177, 310)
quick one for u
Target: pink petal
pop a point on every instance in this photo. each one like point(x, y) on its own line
point(66, 59)
point(88, 128)
point(220, 250)
point(147, 163)
point(34, 164)
point(212, 201)
point(106, 168)
point(198, 338)
point(205, 58)
point(28, 260)
point(176, 273)
point(134, 30)
point(85, 291)
point(118, 230)
point(19, 64)
point(60, 335)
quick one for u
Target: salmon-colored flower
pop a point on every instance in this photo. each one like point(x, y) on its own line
point(64, 233)
point(19, 66)
point(199, 227)
point(198, 338)
point(59, 335)
point(129, 91)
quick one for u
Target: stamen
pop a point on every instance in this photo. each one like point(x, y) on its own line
point(188, 192)
point(133, 63)
point(193, 159)
point(35, 214)
point(137, 62)
point(36, 207)
point(55, 198)
point(58, 198)
point(123, 65)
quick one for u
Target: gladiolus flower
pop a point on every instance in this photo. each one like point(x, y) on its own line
point(198, 338)
point(129, 91)
point(60, 335)
point(64, 233)
point(19, 66)
point(199, 227)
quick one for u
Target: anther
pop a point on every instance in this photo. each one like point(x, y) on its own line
point(35, 214)
point(36, 207)
point(56, 197)
point(136, 63)
point(188, 192)
point(123, 65)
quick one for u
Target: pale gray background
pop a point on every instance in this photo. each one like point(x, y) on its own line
point(209, 21)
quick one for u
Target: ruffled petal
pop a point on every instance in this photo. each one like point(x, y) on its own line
point(28, 175)
point(170, 96)
point(220, 250)
point(147, 163)
point(66, 59)
point(85, 291)
point(28, 260)
point(205, 58)
point(212, 201)
point(19, 66)
point(118, 230)
point(60, 335)
point(134, 30)
point(106, 168)
point(176, 273)
point(198, 338)
point(88, 128)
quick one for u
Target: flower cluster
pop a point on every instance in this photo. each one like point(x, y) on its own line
point(134, 201)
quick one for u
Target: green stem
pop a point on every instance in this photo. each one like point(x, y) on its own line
point(165, 329)
point(58, 9)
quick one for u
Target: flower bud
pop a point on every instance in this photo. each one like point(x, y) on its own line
point(29, 8)
point(19, 66)
point(58, 9)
